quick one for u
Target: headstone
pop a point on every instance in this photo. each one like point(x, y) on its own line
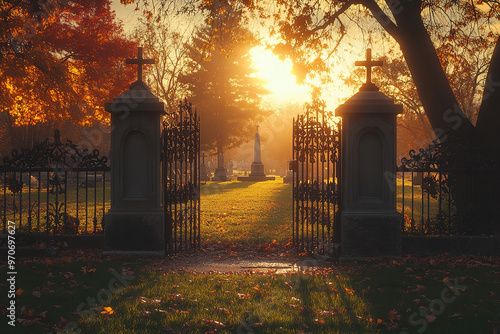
point(230, 168)
point(257, 169)
point(135, 222)
point(29, 180)
point(203, 169)
point(370, 224)
point(418, 178)
point(288, 177)
point(220, 173)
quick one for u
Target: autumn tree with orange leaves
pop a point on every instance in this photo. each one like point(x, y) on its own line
point(60, 61)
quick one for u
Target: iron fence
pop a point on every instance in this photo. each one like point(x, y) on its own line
point(181, 179)
point(316, 182)
point(55, 188)
point(438, 187)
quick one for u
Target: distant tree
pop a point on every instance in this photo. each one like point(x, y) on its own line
point(221, 82)
point(60, 61)
point(166, 42)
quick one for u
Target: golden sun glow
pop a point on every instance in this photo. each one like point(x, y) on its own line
point(279, 77)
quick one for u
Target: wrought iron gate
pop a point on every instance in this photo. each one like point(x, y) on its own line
point(181, 179)
point(316, 182)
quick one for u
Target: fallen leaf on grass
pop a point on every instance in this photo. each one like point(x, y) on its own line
point(456, 315)
point(86, 271)
point(127, 272)
point(213, 323)
point(68, 274)
point(108, 310)
point(430, 318)
point(19, 291)
point(257, 288)
point(393, 316)
point(223, 310)
point(149, 300)
point(243, 296)
point(178, 311)
point(349, 291)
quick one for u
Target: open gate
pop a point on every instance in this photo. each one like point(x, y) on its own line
point(181, 179)
point(316, 182)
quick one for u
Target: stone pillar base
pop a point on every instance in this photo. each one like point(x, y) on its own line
point(134, 231)
point(365, 235)
point(257, 169)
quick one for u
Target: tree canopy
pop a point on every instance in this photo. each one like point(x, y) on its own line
point(220, 80)
point(60, 61)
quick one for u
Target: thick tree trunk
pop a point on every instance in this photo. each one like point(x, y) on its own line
point(488, 121)
point(433, 87)
point(477, 195)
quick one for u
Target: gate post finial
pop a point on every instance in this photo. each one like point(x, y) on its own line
point(139, 61)
point(369, 63)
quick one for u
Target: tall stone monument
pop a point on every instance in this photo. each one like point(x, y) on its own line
point(257, 169)
point(370, 224)
point(135, 222)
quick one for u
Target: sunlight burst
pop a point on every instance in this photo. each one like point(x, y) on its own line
point(280, 80)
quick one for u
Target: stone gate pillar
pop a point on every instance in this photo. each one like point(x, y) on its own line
point(370, 224)
point(135, 224)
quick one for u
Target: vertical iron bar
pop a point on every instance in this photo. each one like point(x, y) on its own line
point(66, 197)
point(428, 206)
point(47, 222)
point(21, 201)
point(78, 198)
point(403, 222)
point(103, 198)
point(39, 199)
point(29, 200)
point(422, 218)
point(412, 204)
point(4, 201)
point(86, 199)
point(95, 201)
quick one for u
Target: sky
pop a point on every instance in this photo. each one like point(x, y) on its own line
point(278, 74)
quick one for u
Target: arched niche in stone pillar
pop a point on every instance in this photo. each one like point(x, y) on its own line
point(136, 159)
point(370, 168)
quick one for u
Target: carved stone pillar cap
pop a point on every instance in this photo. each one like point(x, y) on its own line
point(369, 101)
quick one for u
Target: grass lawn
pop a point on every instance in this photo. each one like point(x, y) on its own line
point(81, 292)
point(237, 212)
point(440, 295)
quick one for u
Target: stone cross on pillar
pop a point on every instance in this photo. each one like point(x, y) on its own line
point(369, 63)
point(135, 223)
point(139, 62)
point(370, 223)
point(203, 156)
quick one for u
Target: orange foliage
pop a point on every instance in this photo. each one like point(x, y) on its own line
point(62, 62)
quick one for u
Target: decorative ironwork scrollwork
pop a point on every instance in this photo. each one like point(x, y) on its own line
point(55, 154)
